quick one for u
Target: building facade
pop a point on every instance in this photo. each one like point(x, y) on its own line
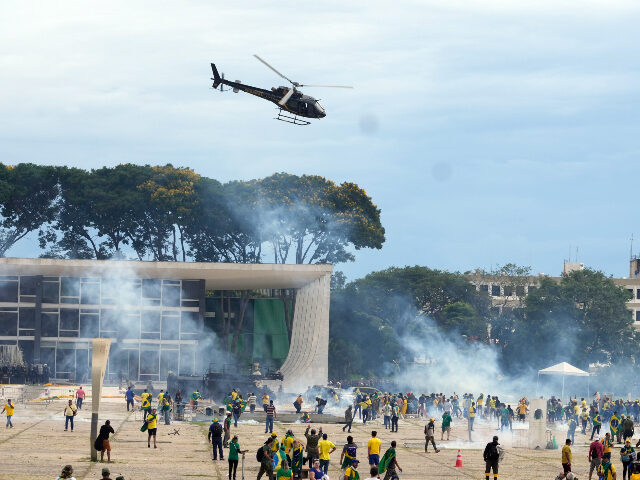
point(509, 292)
point(156, 315)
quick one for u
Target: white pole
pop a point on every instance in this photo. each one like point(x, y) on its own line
point(562, 398)
point(537, 382)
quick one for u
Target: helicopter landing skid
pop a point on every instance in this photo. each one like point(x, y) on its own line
point(285, 117)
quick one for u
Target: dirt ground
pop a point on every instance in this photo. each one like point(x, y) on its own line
point(38, 447)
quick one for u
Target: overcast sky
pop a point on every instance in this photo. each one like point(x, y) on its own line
point(487, 131)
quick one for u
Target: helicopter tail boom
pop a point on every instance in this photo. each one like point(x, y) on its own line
point(216, 76)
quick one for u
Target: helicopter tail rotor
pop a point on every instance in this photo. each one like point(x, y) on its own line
point(217, 80)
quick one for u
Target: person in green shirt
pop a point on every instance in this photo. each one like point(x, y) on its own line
point(625, 457)
point(446, 425)
point(234, 450)
point(284, 472)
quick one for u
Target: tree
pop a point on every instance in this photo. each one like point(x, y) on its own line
point(378, 313)
point(582, 319)
point(310, 219)
point(27, 201)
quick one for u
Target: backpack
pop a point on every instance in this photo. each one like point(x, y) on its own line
point(217, 429)
point(260, 454)
point(351, 451)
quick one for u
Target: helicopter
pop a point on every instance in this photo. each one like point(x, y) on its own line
point(293, 105)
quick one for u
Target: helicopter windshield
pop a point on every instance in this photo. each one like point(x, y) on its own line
point(320, 109)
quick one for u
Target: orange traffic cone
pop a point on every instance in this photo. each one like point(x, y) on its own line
point(459, 459)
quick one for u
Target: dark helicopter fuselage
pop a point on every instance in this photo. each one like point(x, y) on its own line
point(298, 104)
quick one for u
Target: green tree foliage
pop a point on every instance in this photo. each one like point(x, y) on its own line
point(582, 319)
point(374, 313)
point(173, 214)
point(27, 201)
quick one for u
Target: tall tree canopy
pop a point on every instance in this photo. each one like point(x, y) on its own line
point(174, 214)
point(27, 201)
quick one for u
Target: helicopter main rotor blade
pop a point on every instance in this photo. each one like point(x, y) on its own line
point(286, 97)
point(325, 86)
point(283, 76)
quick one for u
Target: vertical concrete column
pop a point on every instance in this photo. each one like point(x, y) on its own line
point(37, 335)
point(202, 304)
point(308, 360)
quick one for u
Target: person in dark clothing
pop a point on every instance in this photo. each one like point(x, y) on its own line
point(312, 444)
point(491, 457)
point(266, 464)
point(102, 442)
point(348, 418)
point(128, 395)
point(215, 437)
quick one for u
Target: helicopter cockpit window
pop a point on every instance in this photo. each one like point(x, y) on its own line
point(320, 108)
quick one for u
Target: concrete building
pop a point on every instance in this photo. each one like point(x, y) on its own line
point(510, 291)
point(164, 316)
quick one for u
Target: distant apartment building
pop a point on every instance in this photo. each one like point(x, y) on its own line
point(509, 292)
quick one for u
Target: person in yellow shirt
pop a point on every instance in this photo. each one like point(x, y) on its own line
point(373, 449)
point(607, 444)
point(472, 415)
point(287, 443)
point(606, 468)
point(265, 401)
point(152, 427)
point(566, 458)
point(522, 411)
point(326, 448)
point(404, 406)
point(351, 473)
point(8, 407)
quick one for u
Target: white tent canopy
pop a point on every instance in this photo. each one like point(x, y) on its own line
point(564, 369)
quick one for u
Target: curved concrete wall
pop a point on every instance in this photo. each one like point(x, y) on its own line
point(308, 360)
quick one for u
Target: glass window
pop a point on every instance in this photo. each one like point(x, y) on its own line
point(50, 292)
point(170, 326)
point(69, 319)
point(8, 291)
point(108, 320)
point(89, 325)
point(520, 291)
point(508, 290)
point(9, 324)
point(50, 324)
point(27, 318)
point(170, 296)
point(190, 289)
point(150, 321)
point(28, 285)
point(495, 290)
point(69, 287)
point(90, 293)
point(151, 288)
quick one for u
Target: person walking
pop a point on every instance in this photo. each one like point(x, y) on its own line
point(326, 448)
point(491, 457)
point(215, 437)
point(152, 427)
point(395, 413)
point(626, 458)
point(233, 457)
point(102, 441)
point(607, 471)
point(389, 463)
point(472, 415)
point(349, 452)
point(566, 458)
point(271, 416)
point(429, 435)
point(165, 409)
point(373, 449)
point(446, 425)
point(128, 395)
point(265, 456)
point(386, 412)
point(571, 432)
point(348, 418)
point(597, 423)
point(252, 400)
point(70, 411)
point(80, 394)
point(8, 408)
point(595, 455)
point(226, 427)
